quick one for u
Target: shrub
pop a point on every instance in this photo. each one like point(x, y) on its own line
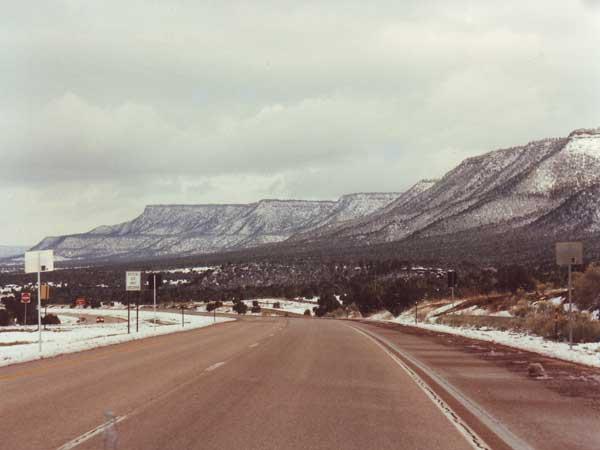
point(307, 312)
point(587, 288)
point(255, 309)
point(521, 309)
point(327, 303)
point(213, 305)
point(240, 307)
point(50, 319)
point(4, 318)
point(277, 305)
point(544, 323)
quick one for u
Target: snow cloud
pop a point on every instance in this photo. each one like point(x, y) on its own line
point(108, 106)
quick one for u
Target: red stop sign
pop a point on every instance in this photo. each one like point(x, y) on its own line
point(80, 301)
point(25, 297)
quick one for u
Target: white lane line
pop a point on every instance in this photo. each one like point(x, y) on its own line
point(90, 434)
point(214, 366)
point(477, 410)
point(256, 344)
point(472, 438)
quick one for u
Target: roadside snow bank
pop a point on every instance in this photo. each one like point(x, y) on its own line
point(19, 344)
point(588, 353)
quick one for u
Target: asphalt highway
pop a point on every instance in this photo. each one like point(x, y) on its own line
point(257, 383)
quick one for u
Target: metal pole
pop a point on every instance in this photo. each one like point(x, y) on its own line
point(215, 314)
point(416, 305)
point(154, 303)
point(25, 314)
point(452, 288)
point(137, 315)
point(39, 307)
point(182, 316)
point(128, 317)
point(570, 310)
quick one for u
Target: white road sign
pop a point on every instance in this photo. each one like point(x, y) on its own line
point(569, 253)
point(39, 261)
point(133, 281)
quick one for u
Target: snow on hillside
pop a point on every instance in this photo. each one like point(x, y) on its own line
point(19, 343)
point(195, 229)
point(501, 190)
point(498, 192)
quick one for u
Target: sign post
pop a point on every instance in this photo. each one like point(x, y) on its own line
point(25, 299)
point(133, 282)
point(39, 261)
point(452, 282)
point(569, 254)
point(154, 282)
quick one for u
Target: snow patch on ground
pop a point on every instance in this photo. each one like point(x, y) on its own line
point(19, 343)
point(587, 353)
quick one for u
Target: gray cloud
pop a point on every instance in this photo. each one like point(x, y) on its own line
point(107, 107)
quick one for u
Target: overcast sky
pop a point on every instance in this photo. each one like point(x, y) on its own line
point(107, 106)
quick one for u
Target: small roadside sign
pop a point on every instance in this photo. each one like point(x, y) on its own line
point(452, 278)
point(25, 297)
point(133, 281)
point(45, 291)
point(39, 261)
point(569, 253)
point(81, 301)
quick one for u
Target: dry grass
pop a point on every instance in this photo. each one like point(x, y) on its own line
point(542, 320)
point(498, 323)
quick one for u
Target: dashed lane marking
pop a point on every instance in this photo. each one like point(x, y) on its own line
point(214, 366)
point(90, 434)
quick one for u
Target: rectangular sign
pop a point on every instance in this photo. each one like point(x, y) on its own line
point(452, 278)
point(133, 281)
point(569, 253)
point(39, 261)
point(45, 291)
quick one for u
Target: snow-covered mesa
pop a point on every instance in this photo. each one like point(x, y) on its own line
point(19, 343)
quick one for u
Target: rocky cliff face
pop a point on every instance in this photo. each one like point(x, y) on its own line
point(542, 189)
point(501, 190)
point(193, 229)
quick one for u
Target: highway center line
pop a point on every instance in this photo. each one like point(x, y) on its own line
point(90, 434)
point(215, 366)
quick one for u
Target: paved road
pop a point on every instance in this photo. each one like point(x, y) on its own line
point(257, 383)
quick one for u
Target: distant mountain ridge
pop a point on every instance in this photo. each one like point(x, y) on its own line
point(7, 251)
point(526, 188)
point(529, 195)
point(191, 229)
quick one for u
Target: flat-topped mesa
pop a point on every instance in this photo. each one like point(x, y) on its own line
point(183, 229)
point(537, 186)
